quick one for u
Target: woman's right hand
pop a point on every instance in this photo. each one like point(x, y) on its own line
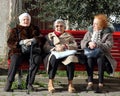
point(27, 42)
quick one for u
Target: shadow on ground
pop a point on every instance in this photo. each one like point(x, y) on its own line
point(110, 85)
point(3, 71)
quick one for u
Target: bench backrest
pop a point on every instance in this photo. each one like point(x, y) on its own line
point(78, 35)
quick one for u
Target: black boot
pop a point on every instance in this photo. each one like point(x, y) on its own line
point(20, 87)
point(30, 87)
point(99, 89)
point(8, 87)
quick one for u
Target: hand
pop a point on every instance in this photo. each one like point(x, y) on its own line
point(59, 47)
point(28, 42)
point(92, 45)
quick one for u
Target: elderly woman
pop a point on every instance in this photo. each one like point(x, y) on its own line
point(60, 47)
point(29, 36)
point(99, 36)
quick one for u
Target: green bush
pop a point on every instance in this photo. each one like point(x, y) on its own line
point(15, 85)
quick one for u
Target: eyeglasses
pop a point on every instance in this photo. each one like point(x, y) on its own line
point(59, 26)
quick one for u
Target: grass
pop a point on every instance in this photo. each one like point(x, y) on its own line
point(15, 85)
point(41, 84)
point(62, 73)
point(76, 73)
point(1, 59)
point(23, 84)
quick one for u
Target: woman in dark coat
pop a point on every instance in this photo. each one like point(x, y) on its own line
point(99, 36)
point(59, 42)
point(23, 34)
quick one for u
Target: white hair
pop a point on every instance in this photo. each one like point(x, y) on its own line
point(23, 15)
point(59, 21)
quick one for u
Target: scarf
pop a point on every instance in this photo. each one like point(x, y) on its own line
point(57, 33)
point(96, 37)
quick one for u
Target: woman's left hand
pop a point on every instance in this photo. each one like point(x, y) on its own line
point(59, 47)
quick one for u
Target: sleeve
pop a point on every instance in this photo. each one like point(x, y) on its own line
point(86, 39)
point(107, 44)
point(72, 44)
point(13, 40)
point(48, 46)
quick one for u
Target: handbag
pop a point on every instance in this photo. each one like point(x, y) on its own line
point(92, 53)
point(27, 49)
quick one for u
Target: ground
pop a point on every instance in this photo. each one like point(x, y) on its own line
point(3, 68)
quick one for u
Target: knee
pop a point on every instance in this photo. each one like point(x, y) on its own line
point(52, 59)
point(37, 59)
point(71, 65)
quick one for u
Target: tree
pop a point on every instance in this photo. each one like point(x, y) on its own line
point(78, 12)
point(15, 9)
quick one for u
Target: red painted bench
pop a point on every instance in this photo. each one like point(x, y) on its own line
point(78, 36)
point(78, 67)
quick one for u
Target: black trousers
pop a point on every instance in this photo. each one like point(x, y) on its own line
point(17, 59)
point(54, 63)
point(90, 68)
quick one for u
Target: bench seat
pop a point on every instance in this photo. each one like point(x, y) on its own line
point(78, 36)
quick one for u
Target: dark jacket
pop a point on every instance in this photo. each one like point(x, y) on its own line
point(20, 33)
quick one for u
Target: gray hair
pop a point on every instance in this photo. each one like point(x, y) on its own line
point(60, 21)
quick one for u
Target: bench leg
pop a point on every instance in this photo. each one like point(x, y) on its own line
point(20, 79)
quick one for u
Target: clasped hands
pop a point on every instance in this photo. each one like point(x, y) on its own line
point(60, 47)
point(92, 45)
point(27, 42)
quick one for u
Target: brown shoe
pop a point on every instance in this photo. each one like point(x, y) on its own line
point(89, 87)
point(51, 88)
point(71, 89)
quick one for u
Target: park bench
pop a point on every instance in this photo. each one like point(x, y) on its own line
point(78, 35)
